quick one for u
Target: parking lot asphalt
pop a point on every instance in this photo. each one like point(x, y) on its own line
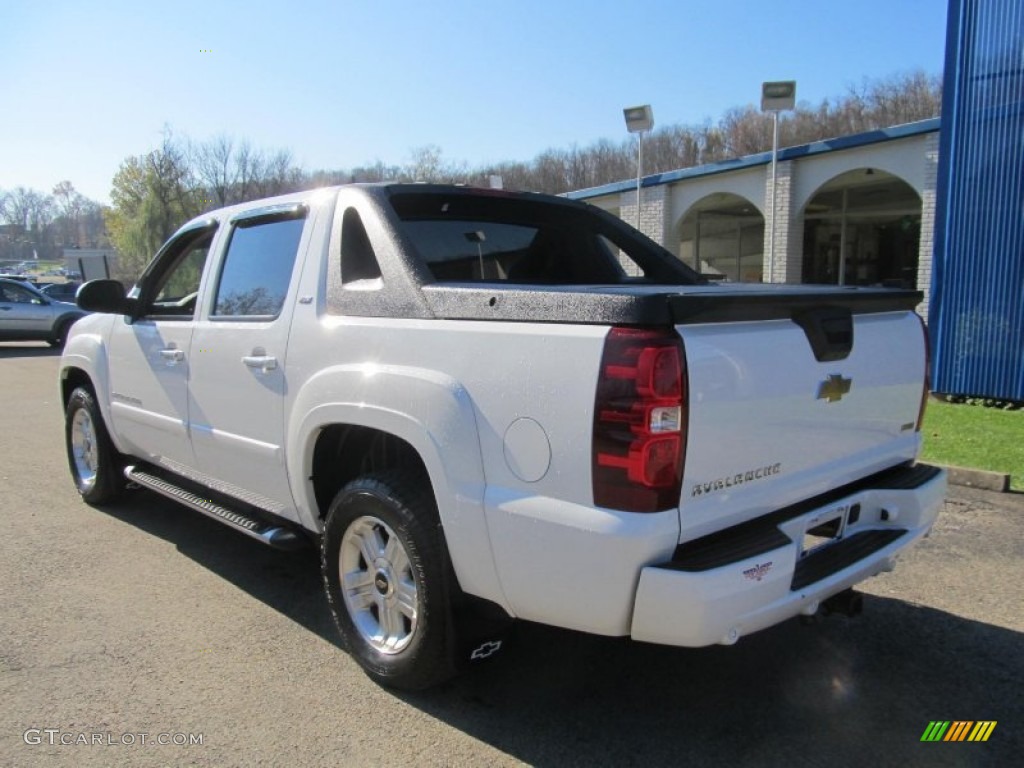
point(142, 621)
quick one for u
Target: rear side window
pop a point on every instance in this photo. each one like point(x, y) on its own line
point(358, 260)
point(257, 268)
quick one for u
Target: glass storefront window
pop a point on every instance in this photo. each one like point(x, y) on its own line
point(722, 237)
point(862, 228)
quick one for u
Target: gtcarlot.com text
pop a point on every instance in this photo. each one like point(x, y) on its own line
point(61, 738)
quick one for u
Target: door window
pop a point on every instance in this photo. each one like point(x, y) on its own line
point(173, 292)
point(258, 266)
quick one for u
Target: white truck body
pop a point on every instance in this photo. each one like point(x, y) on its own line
point(500, 410)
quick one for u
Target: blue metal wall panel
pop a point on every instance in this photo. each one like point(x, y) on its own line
point(976, 315)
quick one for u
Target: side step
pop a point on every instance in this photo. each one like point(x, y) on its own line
point(275, 536)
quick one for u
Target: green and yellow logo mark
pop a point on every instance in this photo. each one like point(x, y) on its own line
point(958, 730)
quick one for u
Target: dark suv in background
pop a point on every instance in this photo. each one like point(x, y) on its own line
point(60, 291)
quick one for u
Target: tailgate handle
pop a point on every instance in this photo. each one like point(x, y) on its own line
point(829, 330)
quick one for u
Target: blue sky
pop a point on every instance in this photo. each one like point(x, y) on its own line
point(346, 83)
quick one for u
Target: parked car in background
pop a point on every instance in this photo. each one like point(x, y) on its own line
point(19, 277)
point(27, 314)
point(61, 291)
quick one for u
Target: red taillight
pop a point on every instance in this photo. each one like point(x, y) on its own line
point(925, 391)
point(640, 421)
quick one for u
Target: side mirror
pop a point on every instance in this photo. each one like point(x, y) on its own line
point(105, 296)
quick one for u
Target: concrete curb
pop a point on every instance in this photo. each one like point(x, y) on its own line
point(978, 478)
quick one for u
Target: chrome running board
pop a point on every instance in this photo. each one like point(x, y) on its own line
point(275, 536)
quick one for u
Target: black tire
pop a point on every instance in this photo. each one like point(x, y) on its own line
point(95, 464)
point(394, 649)
point(62, 334)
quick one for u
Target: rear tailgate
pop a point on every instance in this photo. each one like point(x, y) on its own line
point(793, 393)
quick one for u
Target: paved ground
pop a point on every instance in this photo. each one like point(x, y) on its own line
point(149, 619)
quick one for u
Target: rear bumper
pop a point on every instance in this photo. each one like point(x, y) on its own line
point(735, 582)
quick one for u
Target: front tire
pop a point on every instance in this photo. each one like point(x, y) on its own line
point(94, 463)
point(386, 577)
point(61, 336)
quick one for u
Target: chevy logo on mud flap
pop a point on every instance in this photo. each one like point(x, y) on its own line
point(486, 650)
point(834, 387)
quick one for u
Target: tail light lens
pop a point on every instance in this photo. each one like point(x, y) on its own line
point(640, 420)
point(927, 373)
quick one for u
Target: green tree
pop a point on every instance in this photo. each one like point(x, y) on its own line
point(152, 195)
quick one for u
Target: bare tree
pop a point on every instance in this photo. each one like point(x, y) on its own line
point(69, 205)
point(323, 178)
point(229, 171)
point(376, 172)
point(213, 162)
point(28, 209)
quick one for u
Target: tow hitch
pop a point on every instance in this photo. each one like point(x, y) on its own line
point(849, 602)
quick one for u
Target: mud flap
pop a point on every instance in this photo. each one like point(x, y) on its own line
point(481, 631)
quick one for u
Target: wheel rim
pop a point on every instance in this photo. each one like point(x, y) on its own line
point(84, 451)
point(378, 585)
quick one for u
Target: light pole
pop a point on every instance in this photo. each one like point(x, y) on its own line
point(638, 120)
point(775, 97)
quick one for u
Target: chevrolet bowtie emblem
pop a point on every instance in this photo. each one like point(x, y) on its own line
point(833, 388)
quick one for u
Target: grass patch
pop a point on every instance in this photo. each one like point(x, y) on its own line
point(976, 437)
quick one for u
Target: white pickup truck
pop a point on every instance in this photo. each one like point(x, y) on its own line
point(483, 406)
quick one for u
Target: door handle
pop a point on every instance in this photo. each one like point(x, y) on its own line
point(173, 354)
point(263, 362)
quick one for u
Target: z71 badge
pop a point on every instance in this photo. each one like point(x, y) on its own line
point(758, 572)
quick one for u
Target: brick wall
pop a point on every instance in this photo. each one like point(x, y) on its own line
point(654, 215)
point(653, 210)
point(788, 264)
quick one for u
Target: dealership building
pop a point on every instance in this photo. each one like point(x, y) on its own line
point(937, 205)
point(856, 210)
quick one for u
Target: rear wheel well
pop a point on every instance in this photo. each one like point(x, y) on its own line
point(344, 452)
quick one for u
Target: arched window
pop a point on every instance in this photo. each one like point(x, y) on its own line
point(722, 237)
point(862, 228)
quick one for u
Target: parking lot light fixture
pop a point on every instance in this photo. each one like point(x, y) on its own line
point(638, 120)
point(776, 96)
